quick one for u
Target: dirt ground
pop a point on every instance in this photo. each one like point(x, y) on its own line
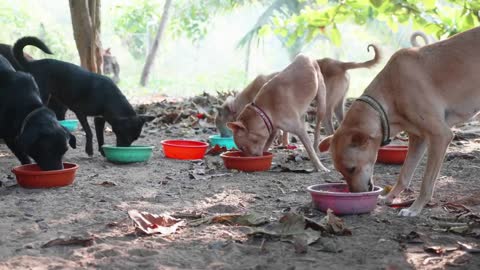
point(95, 208)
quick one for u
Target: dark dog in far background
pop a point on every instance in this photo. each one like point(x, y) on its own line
point(28, 127)
point(85, 93)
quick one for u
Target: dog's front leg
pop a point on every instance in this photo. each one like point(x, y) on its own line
point(99, 129)
point(416, 149)
point(21, 155)
point(88, 133)
point(270, 141)
point(437, 147)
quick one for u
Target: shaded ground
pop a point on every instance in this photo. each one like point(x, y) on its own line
point(380, 240)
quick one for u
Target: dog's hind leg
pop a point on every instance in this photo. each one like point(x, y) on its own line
point(438, 141)
point(340, 110)
point(416, 150)
point(88, 132)
point(322, 112)
point(99, 129)
point(284, 138)
point(303, 135)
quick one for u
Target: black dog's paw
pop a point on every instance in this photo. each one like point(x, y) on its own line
point(89, 150)
point(101, 151)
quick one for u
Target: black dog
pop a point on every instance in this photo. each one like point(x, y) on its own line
point(6, 50)
point(26, 125)
point(85, 93)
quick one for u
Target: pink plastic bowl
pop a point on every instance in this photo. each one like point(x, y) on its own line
point(184, 149)
point(341, 201)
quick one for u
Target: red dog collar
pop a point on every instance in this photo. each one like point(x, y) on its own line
point(264, 117)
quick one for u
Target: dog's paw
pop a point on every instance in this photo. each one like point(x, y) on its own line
point(386, 200)
point(89, 152)
point(101, 152)
point(409, 212)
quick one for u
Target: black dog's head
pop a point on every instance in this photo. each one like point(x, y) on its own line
point(45, 140)
point(128, 129)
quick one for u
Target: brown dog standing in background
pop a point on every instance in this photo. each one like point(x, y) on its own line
point(336, 80)
point(281, 104)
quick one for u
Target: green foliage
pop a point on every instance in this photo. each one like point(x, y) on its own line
point(132, 20)
point(13, 19)
point(193, 18)
point(439, 18)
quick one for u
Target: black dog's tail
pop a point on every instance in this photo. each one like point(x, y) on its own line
point(26, 41)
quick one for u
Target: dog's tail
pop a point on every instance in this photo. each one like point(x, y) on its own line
point(413, 38)
point(367, 64)
point(26, 41)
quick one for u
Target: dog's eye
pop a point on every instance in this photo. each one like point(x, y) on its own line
point(351, 170)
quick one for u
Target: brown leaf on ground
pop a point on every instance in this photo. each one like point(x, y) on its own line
point(250, 219)
point(151, 223)
point(471, 200)
point(216, 150)
point(439, 250)
point(72, 241)
point(468, 248)
point(334, 225)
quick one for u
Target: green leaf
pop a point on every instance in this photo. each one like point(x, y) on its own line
point(429, 4)
point(376, 3)
point(335, 36)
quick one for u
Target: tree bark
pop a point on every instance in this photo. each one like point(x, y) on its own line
point(153, 51)
point(85, 16)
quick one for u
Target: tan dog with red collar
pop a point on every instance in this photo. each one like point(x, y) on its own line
point(424, 91)
point(281, 104)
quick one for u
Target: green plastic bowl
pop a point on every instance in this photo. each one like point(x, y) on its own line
point(70, 124)
point(134, 153)
point(226, 142)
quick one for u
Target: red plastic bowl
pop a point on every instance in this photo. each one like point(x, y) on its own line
point(392, 154)
point(238, 161)
point(184, 149)
point(31, 176)
point(341, 201)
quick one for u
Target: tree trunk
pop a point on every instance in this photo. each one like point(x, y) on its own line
point(85, 16)
point(156, 43)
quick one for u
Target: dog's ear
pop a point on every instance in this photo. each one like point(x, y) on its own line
point(146, 118)
point(236, 126)
point(325, 144)
point(72, 141)
point(359, 139)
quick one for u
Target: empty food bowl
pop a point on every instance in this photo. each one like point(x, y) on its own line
point(184, 149)
point(392, 154)
point(226, 142)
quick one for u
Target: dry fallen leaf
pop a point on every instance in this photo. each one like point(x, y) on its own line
point(216, 150)
point(151, 223)
point(72, 241)
point(250, 219)
point(334, 225)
